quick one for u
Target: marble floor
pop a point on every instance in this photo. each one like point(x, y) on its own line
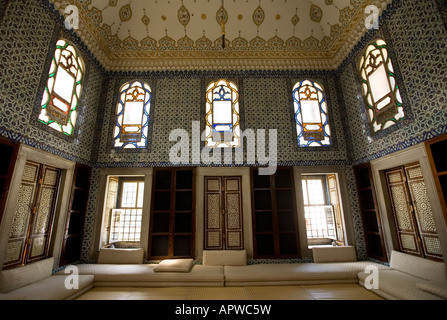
point(297, 292)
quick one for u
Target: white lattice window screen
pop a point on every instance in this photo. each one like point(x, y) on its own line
point(126, 220)
point(319, 215)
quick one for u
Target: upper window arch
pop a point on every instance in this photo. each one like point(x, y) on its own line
point(60, 101)
point(311, 114)
point(379, 87)
point(222, 117)
point(132, 115)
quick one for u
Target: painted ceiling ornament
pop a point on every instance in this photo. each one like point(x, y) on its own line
point(145, 19)
point(295, 20)
point(258, 15)
point(125, 13)
point(316, 13)
point(329, 2)
point(113, 3)
point(183, 15)
point(222, 18)
point(221, 14)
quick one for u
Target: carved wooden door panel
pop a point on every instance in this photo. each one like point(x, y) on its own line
point(223, 213)
point(413, 216)
point(33, 216)
point(423, 213)
point(401, 204)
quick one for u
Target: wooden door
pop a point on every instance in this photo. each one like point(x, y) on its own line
point(8, 150)
point(74, 227)
point(33, 216)
point(372, 224)
point(421, 208)
point(223, 213)
point(172, 222)
point(334, 196)
point(275, 227)
point(402, 211)
point(412, 212)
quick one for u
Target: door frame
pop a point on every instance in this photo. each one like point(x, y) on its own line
point(411, 154)
point(247, 230)
point(27, 153)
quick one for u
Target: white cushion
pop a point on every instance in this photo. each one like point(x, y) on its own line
point(398, 285)
point(296, 272)
point(334, 254)
point(437, 287)
point(52, 288)
point(174, 265)
point(12, 279)
point(120, 256)
point(224, 258)
point(417, 266)
point(143, 274)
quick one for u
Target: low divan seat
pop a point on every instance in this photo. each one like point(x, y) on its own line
point(35, 281)
point(410, 278)
point(143, 275)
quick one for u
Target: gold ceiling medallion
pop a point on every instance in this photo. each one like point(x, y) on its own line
point(295, 20)
point(125, 13)
point(222, 18)
point(145, 20)
point(316, 13)
point(258, 15)
point(183, 15)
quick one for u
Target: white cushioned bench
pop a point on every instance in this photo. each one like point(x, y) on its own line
point(35, 281)
point(143, 275)
point(331, 265)
point(410, 278)
point(125, 267)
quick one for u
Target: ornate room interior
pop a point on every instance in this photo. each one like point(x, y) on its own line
point(151, 125)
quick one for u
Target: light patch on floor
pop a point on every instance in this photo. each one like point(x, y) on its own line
point(340, 292)
point(220, 293)
point(302, 292)
point(279, 293)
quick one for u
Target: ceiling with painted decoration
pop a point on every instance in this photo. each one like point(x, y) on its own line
point(153, 35)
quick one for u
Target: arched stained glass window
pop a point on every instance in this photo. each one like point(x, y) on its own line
point(222, 115)
point(311, 115)
point(60, 101)
point(379, 87)
point(132, 115)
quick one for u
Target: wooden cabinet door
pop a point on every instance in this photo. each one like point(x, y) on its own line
point(372, 225)
point(412, 211)
point(402, 211)
point(421, 208)
point(41, 223)
point(172, 225)
point(223, 213)
point(33, 215)
point(275, 227)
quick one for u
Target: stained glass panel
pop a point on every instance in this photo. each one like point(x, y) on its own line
point(312, 121)
point(59, 106)
point(132, 120)
point(380, 90)
point(222, 115)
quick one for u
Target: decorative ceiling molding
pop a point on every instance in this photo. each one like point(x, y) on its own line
point(140, 35)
